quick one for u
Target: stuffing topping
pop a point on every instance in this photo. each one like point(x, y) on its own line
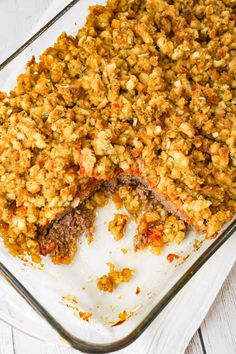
point(145, 88)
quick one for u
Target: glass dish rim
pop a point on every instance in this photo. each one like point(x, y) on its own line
point(75, 342)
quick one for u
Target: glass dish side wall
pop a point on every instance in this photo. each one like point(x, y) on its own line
point(171, 279)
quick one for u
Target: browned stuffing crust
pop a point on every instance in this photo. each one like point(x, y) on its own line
point(146, 88)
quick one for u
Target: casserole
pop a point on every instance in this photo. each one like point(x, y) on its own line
point(170, 283)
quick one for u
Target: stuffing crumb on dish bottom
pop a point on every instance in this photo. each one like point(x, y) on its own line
point(115, 276)
point(145, 89)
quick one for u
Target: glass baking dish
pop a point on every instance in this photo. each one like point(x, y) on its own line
point(61, 293)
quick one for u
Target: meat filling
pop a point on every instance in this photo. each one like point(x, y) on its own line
point(60, 239)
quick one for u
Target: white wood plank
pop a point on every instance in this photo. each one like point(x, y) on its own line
point(219, 327)
point(6, 342)
point(195, 346)
point(25, 344)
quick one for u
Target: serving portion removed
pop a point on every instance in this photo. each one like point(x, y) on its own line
point(141, 102)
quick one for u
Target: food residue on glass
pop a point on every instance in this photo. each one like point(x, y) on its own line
point(109, 282)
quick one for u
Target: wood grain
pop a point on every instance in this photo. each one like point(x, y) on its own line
point(219, 326)
point(6, 339)
point(195, 346)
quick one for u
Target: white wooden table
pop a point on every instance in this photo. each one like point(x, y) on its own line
point(217, 334)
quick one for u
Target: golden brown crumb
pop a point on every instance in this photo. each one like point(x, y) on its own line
point(90, 238)
point(122, 317)
point(145, 87)
point(97, 200)
point(137, 292)
point(71, 302)
point(156, 227)
point(172, 256)
point(114, 278)
point(117, 200)
point(197, 244)
point(85, 315)
point(117, 226)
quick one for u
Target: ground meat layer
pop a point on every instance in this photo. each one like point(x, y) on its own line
point(155, 225)
point(60, 241)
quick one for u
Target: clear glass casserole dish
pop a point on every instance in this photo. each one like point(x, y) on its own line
point(61, 293)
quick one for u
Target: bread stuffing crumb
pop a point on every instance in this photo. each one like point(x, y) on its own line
point(85, 315)
point(117, 226)
point(122, 317)
point(108, 283)
point(171, 257)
